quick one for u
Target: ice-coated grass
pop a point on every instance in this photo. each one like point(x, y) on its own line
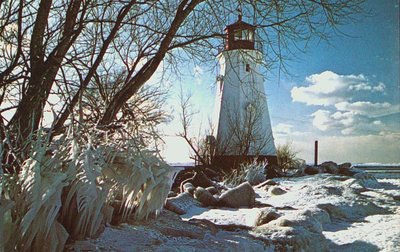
point(253, 172)
point(66, 188)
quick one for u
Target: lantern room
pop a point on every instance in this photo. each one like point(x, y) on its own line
point(239, 35)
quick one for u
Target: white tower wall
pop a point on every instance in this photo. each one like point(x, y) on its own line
point(244, 125)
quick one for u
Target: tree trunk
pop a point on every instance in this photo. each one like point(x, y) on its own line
point(29, 112)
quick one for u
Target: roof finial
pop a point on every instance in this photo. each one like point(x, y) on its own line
point(239, 10)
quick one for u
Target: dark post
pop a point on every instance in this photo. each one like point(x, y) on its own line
point(316, 153)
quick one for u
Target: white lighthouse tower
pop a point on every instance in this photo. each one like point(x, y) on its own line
point(242, 120)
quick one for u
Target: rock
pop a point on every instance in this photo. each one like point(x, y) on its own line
point(311, 170)
point(347, 170)
point(181, 179)
point(299, 219)
point(319, 214)
point(294, 232)
point(241, 196)
point(212, 190)
point(205, 197)
point(396, 197)
point(200, 179)
point(275, 190)
point(330, 167)
point(189, 188)
point(174, 208)
point(266, 215)
point(344, 166)
point(181, 203)
point(350, 172)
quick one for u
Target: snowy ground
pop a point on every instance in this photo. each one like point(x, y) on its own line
point(318, 213)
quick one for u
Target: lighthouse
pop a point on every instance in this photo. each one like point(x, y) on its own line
point(241, 121)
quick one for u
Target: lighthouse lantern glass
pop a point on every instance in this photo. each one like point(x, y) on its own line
point(238, 34)
point(244, 34)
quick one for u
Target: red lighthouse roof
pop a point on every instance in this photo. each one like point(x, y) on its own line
point(239, 35)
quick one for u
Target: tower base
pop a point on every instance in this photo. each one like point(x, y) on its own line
point(227, 163)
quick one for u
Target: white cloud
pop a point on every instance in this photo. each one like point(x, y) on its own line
point(283, 128)
point(322, 120)
point(329, 88)
point(367, 87)
point(351, 125)
point(348, 131)
point(360, 86)
point(380, 88)
point(348, 108)
point(368, 109)
point(347, 122)
point(346, 118)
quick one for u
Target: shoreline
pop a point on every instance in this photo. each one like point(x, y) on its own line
point(322, 212)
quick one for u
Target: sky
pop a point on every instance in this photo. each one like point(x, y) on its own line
point(345, 94)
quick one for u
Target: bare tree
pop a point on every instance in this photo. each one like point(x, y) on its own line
point(60, 47)
point(186, 118)
point(142, 113)
point(245, 133)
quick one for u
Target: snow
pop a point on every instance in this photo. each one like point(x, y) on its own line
point(224, 216)
point(169, 234)
point(318, 213)
point(375, 232)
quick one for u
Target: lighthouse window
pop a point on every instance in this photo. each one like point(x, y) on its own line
point(250, 36)
point(247, 67)
point(245, 34)
point(238, 35)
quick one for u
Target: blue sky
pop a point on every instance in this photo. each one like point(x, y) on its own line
point(345, 94)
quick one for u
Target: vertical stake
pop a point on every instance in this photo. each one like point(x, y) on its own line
point(316, 153)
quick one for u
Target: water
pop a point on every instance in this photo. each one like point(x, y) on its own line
point(381, 171)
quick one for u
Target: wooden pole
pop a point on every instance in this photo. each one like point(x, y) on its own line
point(316, 153)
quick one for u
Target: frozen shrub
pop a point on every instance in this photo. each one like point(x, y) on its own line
point(287, 159)
point(36, 193)
point(253, 172)
point(66, 188)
